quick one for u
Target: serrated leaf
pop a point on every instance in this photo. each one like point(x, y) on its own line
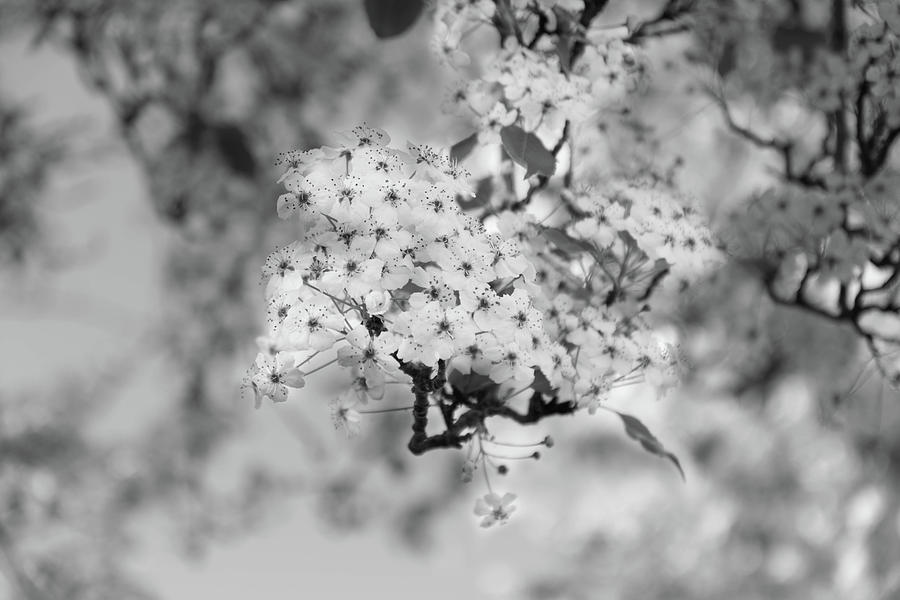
point(484, 189)
point(527, 150)
point(639, 432)
point(463, 148)
point(390, 18)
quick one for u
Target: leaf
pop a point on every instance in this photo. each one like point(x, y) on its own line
point(628, 239)
point(463, 148)
point(653, 278)
point(564, 52)
point(527, 150)
point(727, 60)
point(505, 19)
point(484, 189)
point(234, 147)
point(566, 34)
point(469, 383)
point(390, 18)
point(582, 293)
point(639, 432)
point(633, 25)
point(563, 241)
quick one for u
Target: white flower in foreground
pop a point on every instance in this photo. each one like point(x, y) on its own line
point(472, 357)
point(365, 135)
point(510, 361)
point(442, 331)
point(300, 198)
point(313, 326)
point(273, 376)
point(494, 509)
point(371, 354)
point(354, 272)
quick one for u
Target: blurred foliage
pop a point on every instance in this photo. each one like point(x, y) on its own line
point(777, 506)
point(27, 157)
point(64, 497)
point(205, 93)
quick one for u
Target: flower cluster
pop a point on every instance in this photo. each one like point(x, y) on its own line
point(875, 59)
point(389, 274)
point(839, 232)
point(532, 79)
point(394, 281)
point(872, 61)
point(392, 272)
point(654, 227)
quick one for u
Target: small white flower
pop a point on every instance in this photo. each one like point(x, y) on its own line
point(371, 354)
point(592, 393)
point(273, 375)
point(495, 509)
point(510, 361)
point(363, 136)
point(378, 303)
point(313, 325)
point(446, 45)
point(344, 415)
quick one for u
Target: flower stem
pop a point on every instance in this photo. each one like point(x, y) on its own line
point(320, 367)
point(384, 410)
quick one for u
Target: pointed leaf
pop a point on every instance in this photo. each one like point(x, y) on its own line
point(463, 148)
point(639, 432)
point(566, 28)
point(527, 150)
point(390, 18)
point(564, 52)
point(566, 243)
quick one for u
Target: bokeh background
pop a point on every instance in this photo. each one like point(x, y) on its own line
point(137, 195)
